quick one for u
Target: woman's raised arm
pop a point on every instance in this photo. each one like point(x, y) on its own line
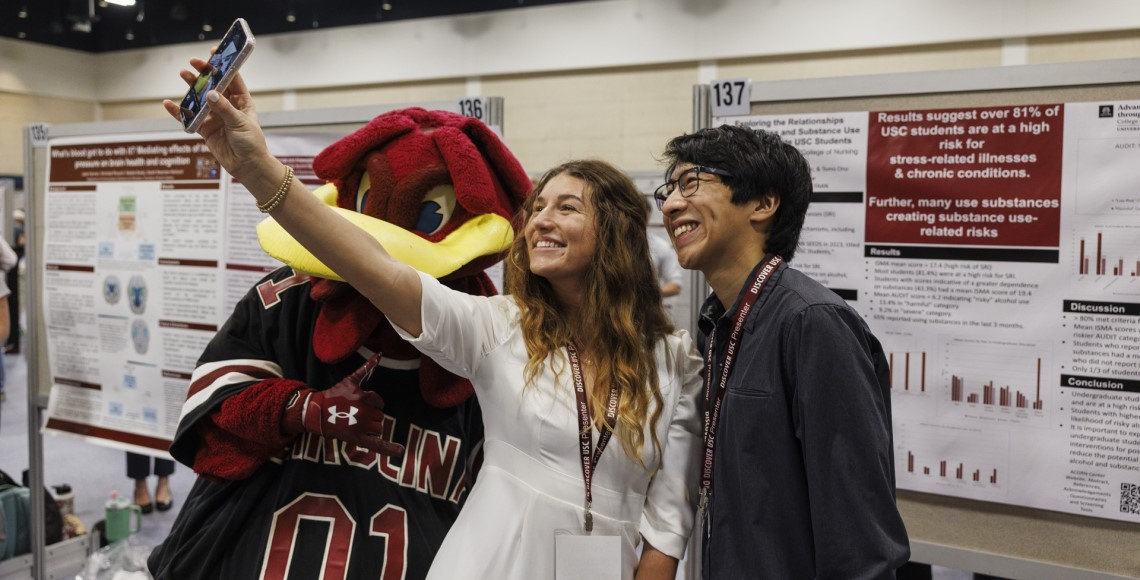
point(233, 135)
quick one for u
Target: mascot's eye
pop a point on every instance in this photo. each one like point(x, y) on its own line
point(362, 192)
point(436, 210)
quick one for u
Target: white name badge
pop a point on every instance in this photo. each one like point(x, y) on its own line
point(587, 557)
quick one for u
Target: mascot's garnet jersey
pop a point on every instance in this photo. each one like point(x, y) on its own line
point(268, 505)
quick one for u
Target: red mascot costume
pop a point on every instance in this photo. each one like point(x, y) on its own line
point(299, 474)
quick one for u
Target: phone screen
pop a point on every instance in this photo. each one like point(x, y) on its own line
point(230, 53)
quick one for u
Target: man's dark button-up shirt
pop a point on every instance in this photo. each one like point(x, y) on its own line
point(803, 481)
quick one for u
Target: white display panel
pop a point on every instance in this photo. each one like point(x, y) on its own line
point(148, 244)
point(995, 252)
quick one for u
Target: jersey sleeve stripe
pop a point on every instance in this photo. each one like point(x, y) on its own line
point(209, 378)
point(208, 373)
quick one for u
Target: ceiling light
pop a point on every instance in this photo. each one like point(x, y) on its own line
point(121, 2)
point(290, 17)
point(316, 24)
point(130, 35)
point(206, 26)
point(21, 34)
point(386, 6)
point(179, 11)
point(23, 13)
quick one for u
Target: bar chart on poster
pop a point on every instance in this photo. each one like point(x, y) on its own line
point(1108, 180)
point(995, 380)
point(1105, 254)
point(904, 375)
point(975, 465)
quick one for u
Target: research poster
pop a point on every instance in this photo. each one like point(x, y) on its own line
point(995, 252)
point(148, 245)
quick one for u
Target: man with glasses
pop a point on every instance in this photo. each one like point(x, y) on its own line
point(797, 470)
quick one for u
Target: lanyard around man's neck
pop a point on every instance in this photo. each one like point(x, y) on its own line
point(712, 407)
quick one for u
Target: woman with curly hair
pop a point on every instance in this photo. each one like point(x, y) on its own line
point(580, 349)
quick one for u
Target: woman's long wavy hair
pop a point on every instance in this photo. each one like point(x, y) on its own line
point(622, 315)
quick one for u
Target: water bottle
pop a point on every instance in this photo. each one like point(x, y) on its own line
point(64, 498)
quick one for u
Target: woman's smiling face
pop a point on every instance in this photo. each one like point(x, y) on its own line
point(561, 233)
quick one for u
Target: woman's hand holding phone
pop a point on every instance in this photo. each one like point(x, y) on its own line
point(232, 132)
point(218, 107)
point(225, 60)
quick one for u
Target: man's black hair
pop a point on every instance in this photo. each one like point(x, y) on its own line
point(761, 164)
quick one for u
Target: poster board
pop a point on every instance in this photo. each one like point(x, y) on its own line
point(106, 225)
point(968, 216)
point(146, 245)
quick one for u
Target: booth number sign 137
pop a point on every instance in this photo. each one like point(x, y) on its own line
point(731, 97)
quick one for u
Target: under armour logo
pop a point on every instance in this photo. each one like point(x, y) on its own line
point(350, 415)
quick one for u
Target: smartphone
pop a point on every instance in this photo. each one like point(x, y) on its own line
point(230, 54)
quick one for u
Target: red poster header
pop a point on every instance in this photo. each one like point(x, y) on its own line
point(164, 160)
point(988, 176)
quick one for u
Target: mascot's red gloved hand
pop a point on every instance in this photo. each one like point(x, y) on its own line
point(344, 411)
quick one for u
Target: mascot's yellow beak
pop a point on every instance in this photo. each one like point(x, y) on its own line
point(481, 236)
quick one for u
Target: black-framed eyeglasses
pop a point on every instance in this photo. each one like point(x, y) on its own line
point(686, 183)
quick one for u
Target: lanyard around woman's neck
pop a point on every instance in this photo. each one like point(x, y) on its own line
point(590, 459)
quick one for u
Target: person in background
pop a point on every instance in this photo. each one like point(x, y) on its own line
point(8, 261)
point(5, 330)
point(138, 469)
point(665, 265)
point(580, 345)
point(12, 277)
point(797, 478)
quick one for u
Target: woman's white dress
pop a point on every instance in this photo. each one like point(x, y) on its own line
point(530, 484)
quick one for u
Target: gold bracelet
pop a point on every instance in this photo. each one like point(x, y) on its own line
point(279, 195)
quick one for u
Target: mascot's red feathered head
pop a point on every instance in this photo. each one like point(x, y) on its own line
point(439, 190)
